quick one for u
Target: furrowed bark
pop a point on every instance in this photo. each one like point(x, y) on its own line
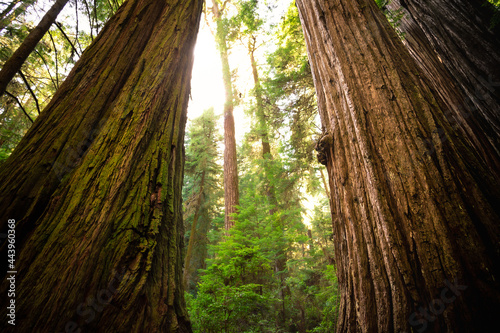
point(415, 211)
point(452, 44)
point(95, 184)
point(15, 62)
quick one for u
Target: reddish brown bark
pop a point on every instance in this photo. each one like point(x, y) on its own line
point(231, 191)
point(452, 44)
point(95, 185)
point(415, 210)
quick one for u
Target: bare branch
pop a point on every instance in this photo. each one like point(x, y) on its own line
point(59, 26)
point(20, 105)
point(56, 58)
point(47, 67)
point(91, 19)
point(30, 90)
point(224, 4)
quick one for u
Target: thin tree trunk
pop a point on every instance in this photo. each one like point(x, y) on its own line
point(14, 63)
point(263, 128)
point(231, 191)
point(192, 236)
point(263, 131)
point(415, 210)
point(95, 184)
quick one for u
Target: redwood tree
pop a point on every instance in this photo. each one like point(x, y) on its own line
point(452, 43)
point(95, 184)
point(415, 210)
point(231, 191)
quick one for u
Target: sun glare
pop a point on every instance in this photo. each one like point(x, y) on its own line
point(207, 87)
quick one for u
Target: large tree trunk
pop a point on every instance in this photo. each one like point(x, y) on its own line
point(231, 191)
point(15, 62)
point(452, 45)
point(95, 185)
point(415, 211)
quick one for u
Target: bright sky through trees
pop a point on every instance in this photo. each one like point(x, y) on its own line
point(206, 84)
point(396, 191)
point(207, 88)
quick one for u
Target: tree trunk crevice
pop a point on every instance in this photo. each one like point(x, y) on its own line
point(414, 208)
point(103, 166)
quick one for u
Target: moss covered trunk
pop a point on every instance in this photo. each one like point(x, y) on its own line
point(415, 210)
point(95, 185)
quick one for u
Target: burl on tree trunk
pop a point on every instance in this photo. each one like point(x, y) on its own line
point(415, 211)
point(95, 184)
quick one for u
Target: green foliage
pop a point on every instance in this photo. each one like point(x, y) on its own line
point(234, 293)
point(202, 138)
point(381, 3)
point(495, 19)
point(394, 17)
point(329, 297)
point(47, 67)
point(247, 21)
point(267, 275)
point(290, 97)
point(202, 161)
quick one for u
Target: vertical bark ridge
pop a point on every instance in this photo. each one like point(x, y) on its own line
point(231, 188)
point(113, 225)
point(451, 42)
point(413, 205)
